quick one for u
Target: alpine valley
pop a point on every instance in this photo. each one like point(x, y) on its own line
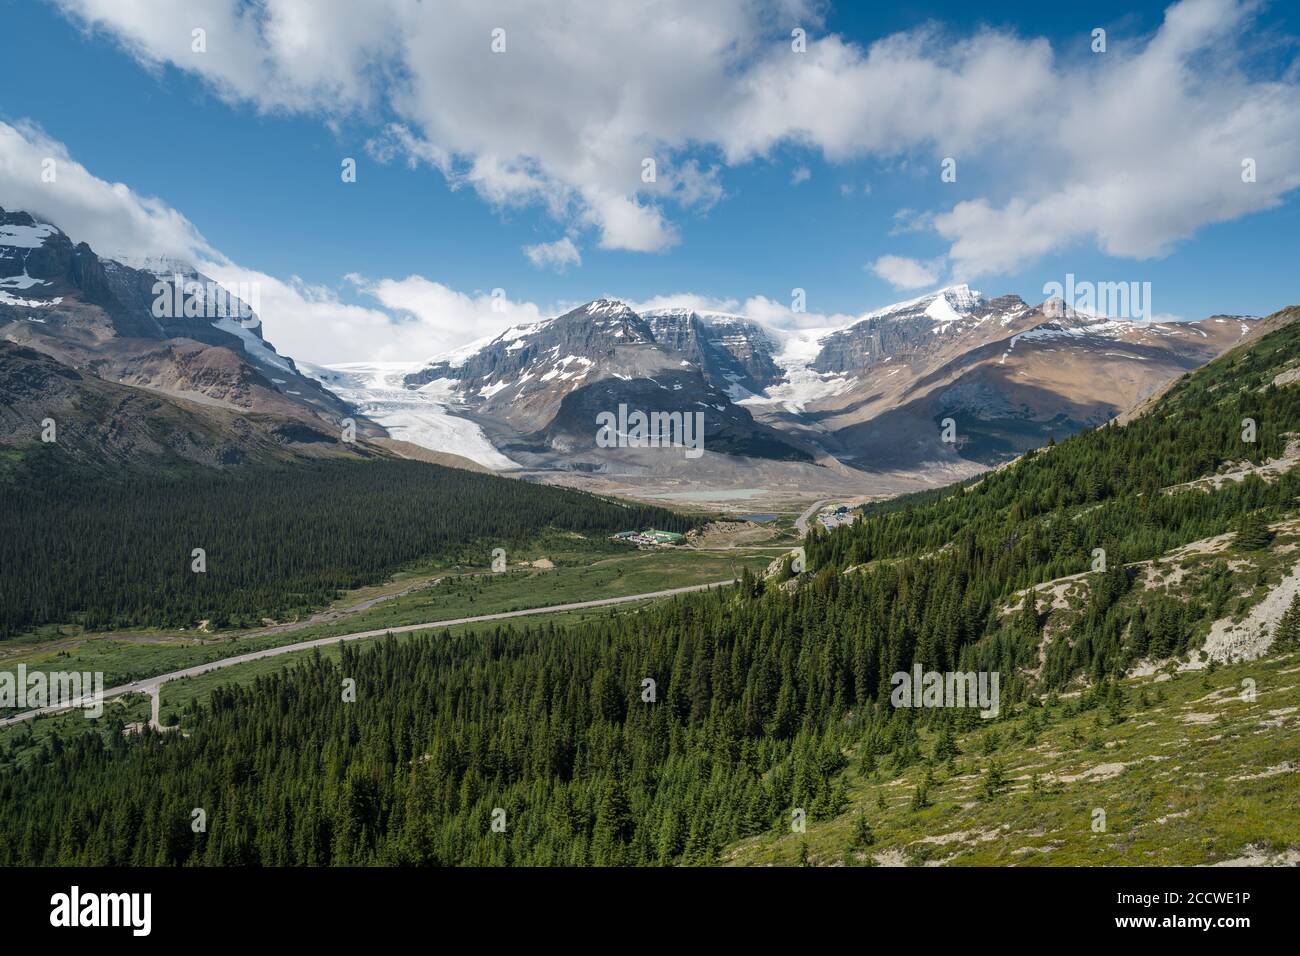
point(319, 549)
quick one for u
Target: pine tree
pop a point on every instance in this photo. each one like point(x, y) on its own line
point(1255, 534)
point(945, 747)
point(867, 763)
point(994, 781)
point(990, 742)
point(1288, 627)
point(863, 836)
point(613, 822)
point(1027, 620)
point(920, 798)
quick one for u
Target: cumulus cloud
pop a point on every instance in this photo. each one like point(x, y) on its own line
point(904, 273)
point(415, 317)
point(313, 323)
point(557, 255)
point(1146, 148)
point(578, 96)
point(283, 54)
point(1133, 150)
point(444, 314)
point(801, 174)
point(627, 224)
point(909, 90)
point(111, 217)
point(781, 315)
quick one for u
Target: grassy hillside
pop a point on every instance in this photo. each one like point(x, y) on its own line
point(1186, 768)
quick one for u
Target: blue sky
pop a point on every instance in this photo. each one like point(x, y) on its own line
point(257, 175)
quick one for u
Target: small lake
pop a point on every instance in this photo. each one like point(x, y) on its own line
point(722, 494)
point(758, 519)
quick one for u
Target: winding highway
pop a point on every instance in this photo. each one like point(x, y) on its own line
point(153, 685)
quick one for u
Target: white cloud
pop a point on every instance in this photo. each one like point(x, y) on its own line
point(801, 174)
point(310, 322)
point(445, 316)
point(314, 324)
point(582, 94)
point(779, 315)
point(626, 224)
point(112, 218)
point(910, 220)
point(397, 141)
point(904, 273)
point(1147, 149)
point(686, 300)
point(694, 186)
point(1133, 150)
point(557, 255)
point(909, 90)
point(282, 54)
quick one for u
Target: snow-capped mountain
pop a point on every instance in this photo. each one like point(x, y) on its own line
point(733, 353)
point(799, 409)
point(102, 319)
point(1009, 374)
point(916, 330)
point(869, 394)
point(537, 389)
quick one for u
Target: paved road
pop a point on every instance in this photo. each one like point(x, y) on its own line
point(152, 685)
point(801, 522)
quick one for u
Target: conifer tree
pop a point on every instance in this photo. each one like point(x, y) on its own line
point(863, 835)
point(1288, 626)
point(994, 781)
point(1027, 620)
point(1255, 534)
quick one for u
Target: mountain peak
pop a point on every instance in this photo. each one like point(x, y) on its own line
point(607, 316)
point(607, 308)
point(161, 266)
point(955, 301)
point(959, 292)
